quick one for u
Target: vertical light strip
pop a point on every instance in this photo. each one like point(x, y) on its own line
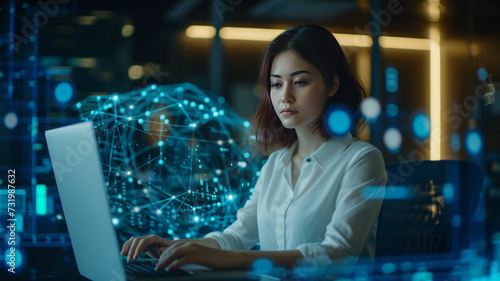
point(41, 199)
point(435, 94)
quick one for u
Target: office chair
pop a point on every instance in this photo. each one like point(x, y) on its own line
point(427, 208)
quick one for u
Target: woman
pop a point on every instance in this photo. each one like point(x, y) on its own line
point(308, 200)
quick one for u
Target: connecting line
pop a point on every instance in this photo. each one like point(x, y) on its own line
point(111, 154)
point(123, 148)
point(176, 174)
point(182, 204)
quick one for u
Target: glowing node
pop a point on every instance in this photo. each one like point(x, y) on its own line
point(10, 120)
point(391, 80)
point(192, 104)
point(162, 117)
point(78, 105)
point(474, 142)
point(196, 219)
point(128, 173)
point(215, 114)
point(153, 87)
point(220, 142)
point(339, 122)
point(218, 171)
point(370, 108)
point(262, 266)
point(448, 192)
point(456, 220)
point(173, 196)
point(215, 180)
point(140, 121)
point(156, 100)
point(147, 113)
point(130, 118)
point(455, 141)
point(246, 124)
point(242, 164)
point(393, 139)
point(137, 209)
point(161, 143)
point(167, 121)
point(230, 141)
point(421, 126)
point(246, 155)
point(230, 197)
point(115, 97)
point(388, 268)
point(18, 261)
point(115, 221)
point(392, 110)
point(158, 212)
point(482, 74)
point(59, 217)
point(144, 93)
point(127, 30)
point(63, 92)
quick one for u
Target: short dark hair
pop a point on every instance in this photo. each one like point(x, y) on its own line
point(317, 46)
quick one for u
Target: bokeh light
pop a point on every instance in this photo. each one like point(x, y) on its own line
point(421, 126)
point(338, 121)
point(370, 108)
point(63, 92)
point(482, 74)
point(393, 140)
point(10, 120)
point(473, 142)
point(392, 110)
point(391, 80)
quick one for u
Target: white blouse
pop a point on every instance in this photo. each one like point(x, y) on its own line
point(330, 212)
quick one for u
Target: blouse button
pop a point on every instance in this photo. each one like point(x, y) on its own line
point(308, 159)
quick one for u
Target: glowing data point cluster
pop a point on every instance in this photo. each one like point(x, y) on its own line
point(178, 161)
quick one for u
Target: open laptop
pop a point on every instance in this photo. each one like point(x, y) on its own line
point(77, 168)
point(79, 177)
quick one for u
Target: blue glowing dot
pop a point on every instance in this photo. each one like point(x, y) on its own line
point(422, 276)
point(140, 121)
point(455, 141)
point(388, 268)
point(201, 107)
point(144, 93)
point(456, 220)
point(115, 97)
point(161, 143)
point(421, 126)
point(246, 155)
point(156, 100)
point(448, 192)
point(166, 121)
point(170, 231)
point(147, 113)
point(246, 124)
point(391, 80)
point(221, 100)
point(188, 235)
point(262, 266)
point(63, 92)
point(216, 114)
point(115, 221)
point(15, 257)
point(482, 74)
point(200, 166)
point(153, 87)
point(392, 110)
point(406, 266)
point(78, 105)
point(474, 142)
point(179, 89)
point(130, 179)
point(216, 180)
point(339, 122)
point(221, 112)
point(122, 110)
point(160, 162)
point(206, 100)
point(192, 104)
point(162, 117)
point(10, 120)
point(206, 116)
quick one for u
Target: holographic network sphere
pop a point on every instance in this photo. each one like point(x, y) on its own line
point(177, 160)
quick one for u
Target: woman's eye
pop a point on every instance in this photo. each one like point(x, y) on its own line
point(275, 85)
point(300, 83)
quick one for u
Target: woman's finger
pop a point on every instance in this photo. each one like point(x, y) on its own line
point(126, 246)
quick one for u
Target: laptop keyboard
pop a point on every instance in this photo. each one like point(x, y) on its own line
point(146, 268)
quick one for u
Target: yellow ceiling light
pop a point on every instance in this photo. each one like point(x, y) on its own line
point(391, 42)
point(200, 31)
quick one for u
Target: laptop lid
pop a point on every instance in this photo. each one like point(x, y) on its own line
point(77, 168)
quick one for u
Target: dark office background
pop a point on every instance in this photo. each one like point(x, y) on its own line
point(107, 47)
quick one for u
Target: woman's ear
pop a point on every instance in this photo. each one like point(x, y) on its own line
point(334, 87)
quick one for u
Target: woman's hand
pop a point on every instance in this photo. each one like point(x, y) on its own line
point(186, 252)
point(153, 245)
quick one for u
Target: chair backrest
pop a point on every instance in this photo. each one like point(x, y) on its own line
point(427, 207)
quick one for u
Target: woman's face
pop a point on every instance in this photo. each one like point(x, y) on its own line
point(298, 91)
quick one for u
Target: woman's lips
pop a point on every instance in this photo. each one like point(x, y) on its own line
point(288, 112)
